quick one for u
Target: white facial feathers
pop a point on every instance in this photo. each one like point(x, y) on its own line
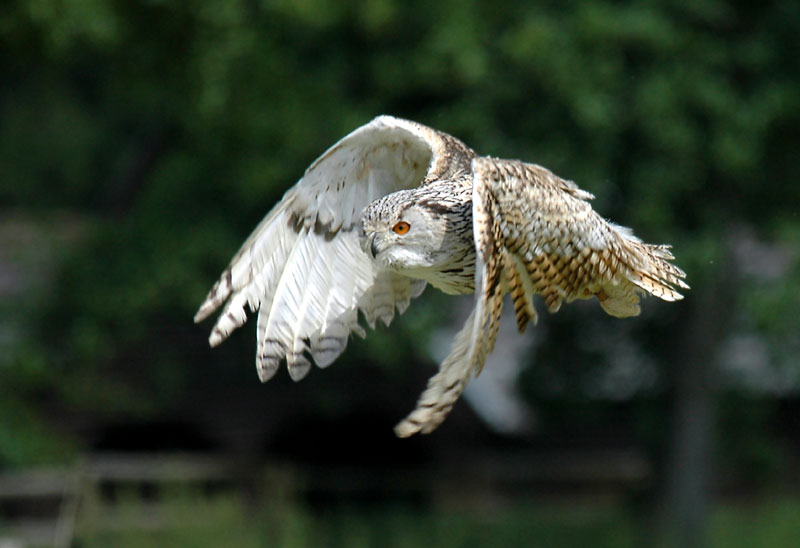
point(401, 236)
point(416, 234)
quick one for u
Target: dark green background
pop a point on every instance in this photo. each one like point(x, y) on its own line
point(140, 142)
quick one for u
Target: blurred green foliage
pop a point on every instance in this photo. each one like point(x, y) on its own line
point(226, 521)
point(189, 520)
point(158, 134)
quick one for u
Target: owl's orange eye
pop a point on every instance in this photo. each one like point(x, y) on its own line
point(401, 228)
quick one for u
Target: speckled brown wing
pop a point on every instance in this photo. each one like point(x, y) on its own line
point(536, 233)
point(477, 337)
point(468, 354)
point(553, 243)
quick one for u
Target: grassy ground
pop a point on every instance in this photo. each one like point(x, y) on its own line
point(224, 521)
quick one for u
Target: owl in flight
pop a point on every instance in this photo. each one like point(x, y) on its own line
point(396, 205)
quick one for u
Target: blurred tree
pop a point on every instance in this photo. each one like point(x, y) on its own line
point(165, 131)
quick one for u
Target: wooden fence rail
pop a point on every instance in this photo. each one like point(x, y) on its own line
point(42, 507)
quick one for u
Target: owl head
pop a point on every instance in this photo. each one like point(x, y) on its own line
point(401, 233)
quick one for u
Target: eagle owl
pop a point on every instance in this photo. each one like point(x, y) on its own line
point(395, 206)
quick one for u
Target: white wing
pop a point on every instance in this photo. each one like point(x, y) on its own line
point(303, 268)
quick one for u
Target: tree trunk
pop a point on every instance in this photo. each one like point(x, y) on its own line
point(681, 513)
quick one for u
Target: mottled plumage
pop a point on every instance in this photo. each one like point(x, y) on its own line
point(396, 205)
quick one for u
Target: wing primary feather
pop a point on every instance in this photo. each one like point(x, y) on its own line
point(218, 295)
point(286, 304)
point(521, 291)
point(444, 388)
point(268, 353)
point(476, 339)
point(340, 306)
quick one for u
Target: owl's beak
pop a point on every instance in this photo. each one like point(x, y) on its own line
point(367, 242)
point(373, 246)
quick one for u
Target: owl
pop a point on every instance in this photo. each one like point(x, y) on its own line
point(395, 206)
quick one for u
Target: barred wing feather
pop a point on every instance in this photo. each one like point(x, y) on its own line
point(477, 337)
point(536, 233)
point(562, 249)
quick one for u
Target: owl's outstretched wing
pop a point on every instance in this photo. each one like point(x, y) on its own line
point(477, 337)
point(536, 233)
point(303, 269)
point(553, 243)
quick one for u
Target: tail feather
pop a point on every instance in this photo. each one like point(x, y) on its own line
point(657, 275)
point(648, 271)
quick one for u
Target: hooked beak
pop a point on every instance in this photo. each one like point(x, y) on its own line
point(368, 244)
point(372, 243)
point(373, 246)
